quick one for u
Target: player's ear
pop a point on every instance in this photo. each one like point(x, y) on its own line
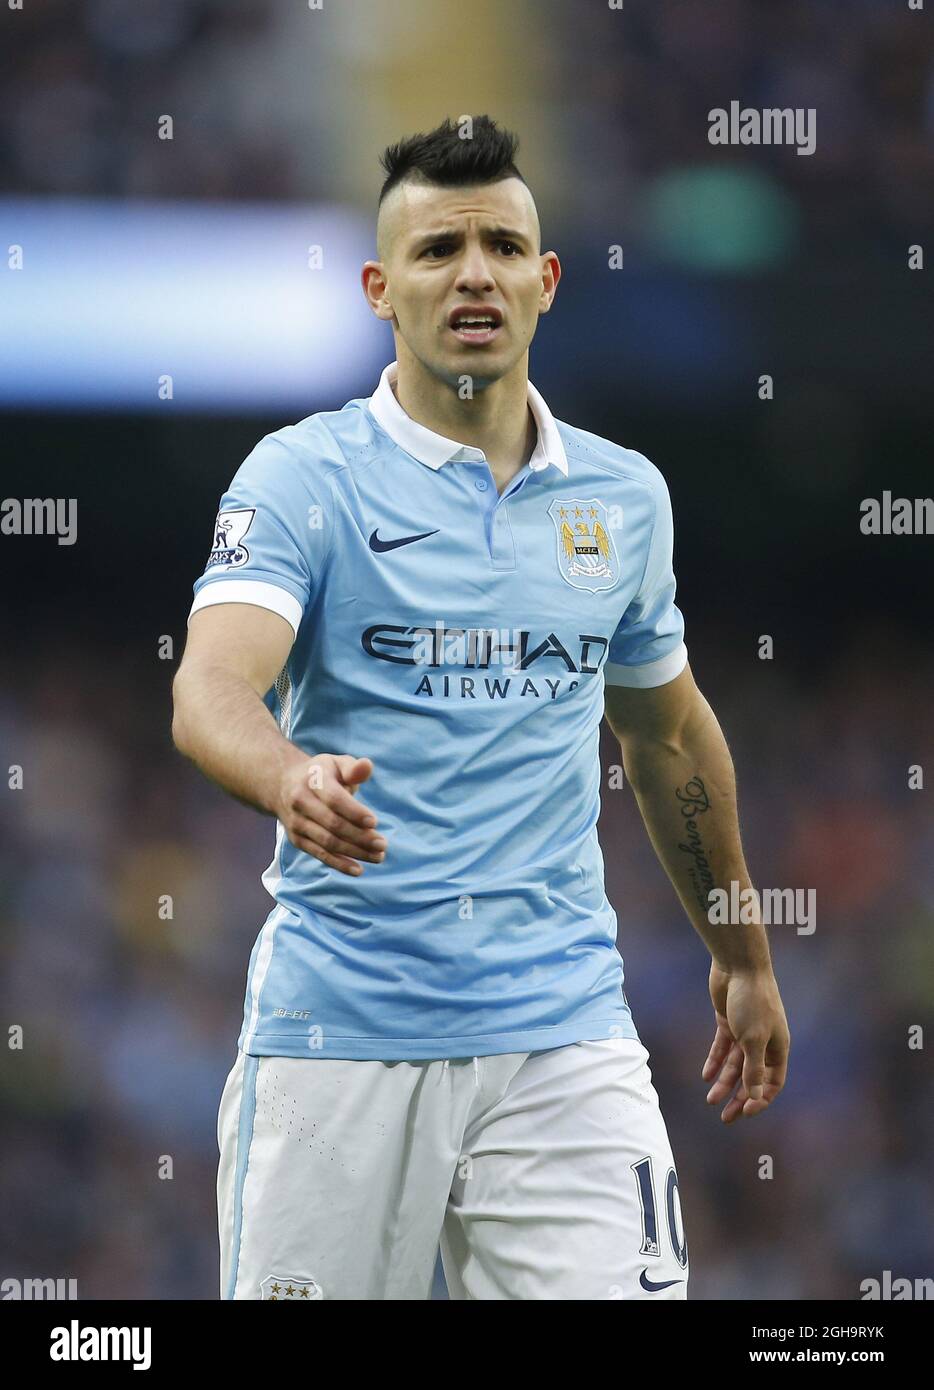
point(373, 279)
point(551, 274)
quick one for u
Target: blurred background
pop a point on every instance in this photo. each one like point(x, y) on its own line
point(191, 258)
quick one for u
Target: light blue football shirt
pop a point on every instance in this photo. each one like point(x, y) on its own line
point(461, 639)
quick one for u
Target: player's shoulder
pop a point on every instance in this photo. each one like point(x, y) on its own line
point(592, 451)
point(312, 450)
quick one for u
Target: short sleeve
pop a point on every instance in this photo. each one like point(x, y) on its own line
point(269, 539)
point(647, 648)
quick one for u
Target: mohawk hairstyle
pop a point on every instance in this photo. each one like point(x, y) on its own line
point(445, 157)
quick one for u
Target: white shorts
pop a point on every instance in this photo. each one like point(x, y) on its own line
point(543, 1175)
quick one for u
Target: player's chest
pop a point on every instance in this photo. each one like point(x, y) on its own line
point(538, 554)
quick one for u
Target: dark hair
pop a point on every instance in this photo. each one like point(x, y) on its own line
point(446, 157)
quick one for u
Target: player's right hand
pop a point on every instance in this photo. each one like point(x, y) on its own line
point(321, 816)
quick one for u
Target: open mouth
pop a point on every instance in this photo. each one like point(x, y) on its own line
point(475, 326)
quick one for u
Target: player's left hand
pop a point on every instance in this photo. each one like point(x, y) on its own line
point(751, 1044)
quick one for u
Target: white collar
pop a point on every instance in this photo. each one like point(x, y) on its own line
point(434, 450)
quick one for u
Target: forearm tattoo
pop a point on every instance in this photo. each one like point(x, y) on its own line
point(694, 803)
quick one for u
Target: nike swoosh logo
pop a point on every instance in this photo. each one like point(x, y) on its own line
point(379, 546)
point(648, 1285)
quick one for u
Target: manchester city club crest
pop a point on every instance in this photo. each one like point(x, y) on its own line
point(587, 555)
point(276, 1286)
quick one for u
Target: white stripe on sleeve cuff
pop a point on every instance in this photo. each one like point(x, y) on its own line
point(652, 673)
point(251, 591)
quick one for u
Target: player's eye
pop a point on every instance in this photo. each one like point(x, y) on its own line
point(510, 246)
point(442, 247)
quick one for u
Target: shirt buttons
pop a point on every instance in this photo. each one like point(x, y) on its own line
point(481, 485)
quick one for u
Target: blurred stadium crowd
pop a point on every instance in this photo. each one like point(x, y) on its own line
point(272, 101)
point(131, 1020)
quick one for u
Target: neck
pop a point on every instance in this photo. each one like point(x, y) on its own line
point(497, 419)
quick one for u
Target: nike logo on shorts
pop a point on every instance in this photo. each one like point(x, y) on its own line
point(651, 1287)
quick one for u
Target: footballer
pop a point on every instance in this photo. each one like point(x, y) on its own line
point(416, 611)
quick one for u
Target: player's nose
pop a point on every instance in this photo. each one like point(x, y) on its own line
point(474, 274)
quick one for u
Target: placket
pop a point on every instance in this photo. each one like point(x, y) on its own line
point(501, 543)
